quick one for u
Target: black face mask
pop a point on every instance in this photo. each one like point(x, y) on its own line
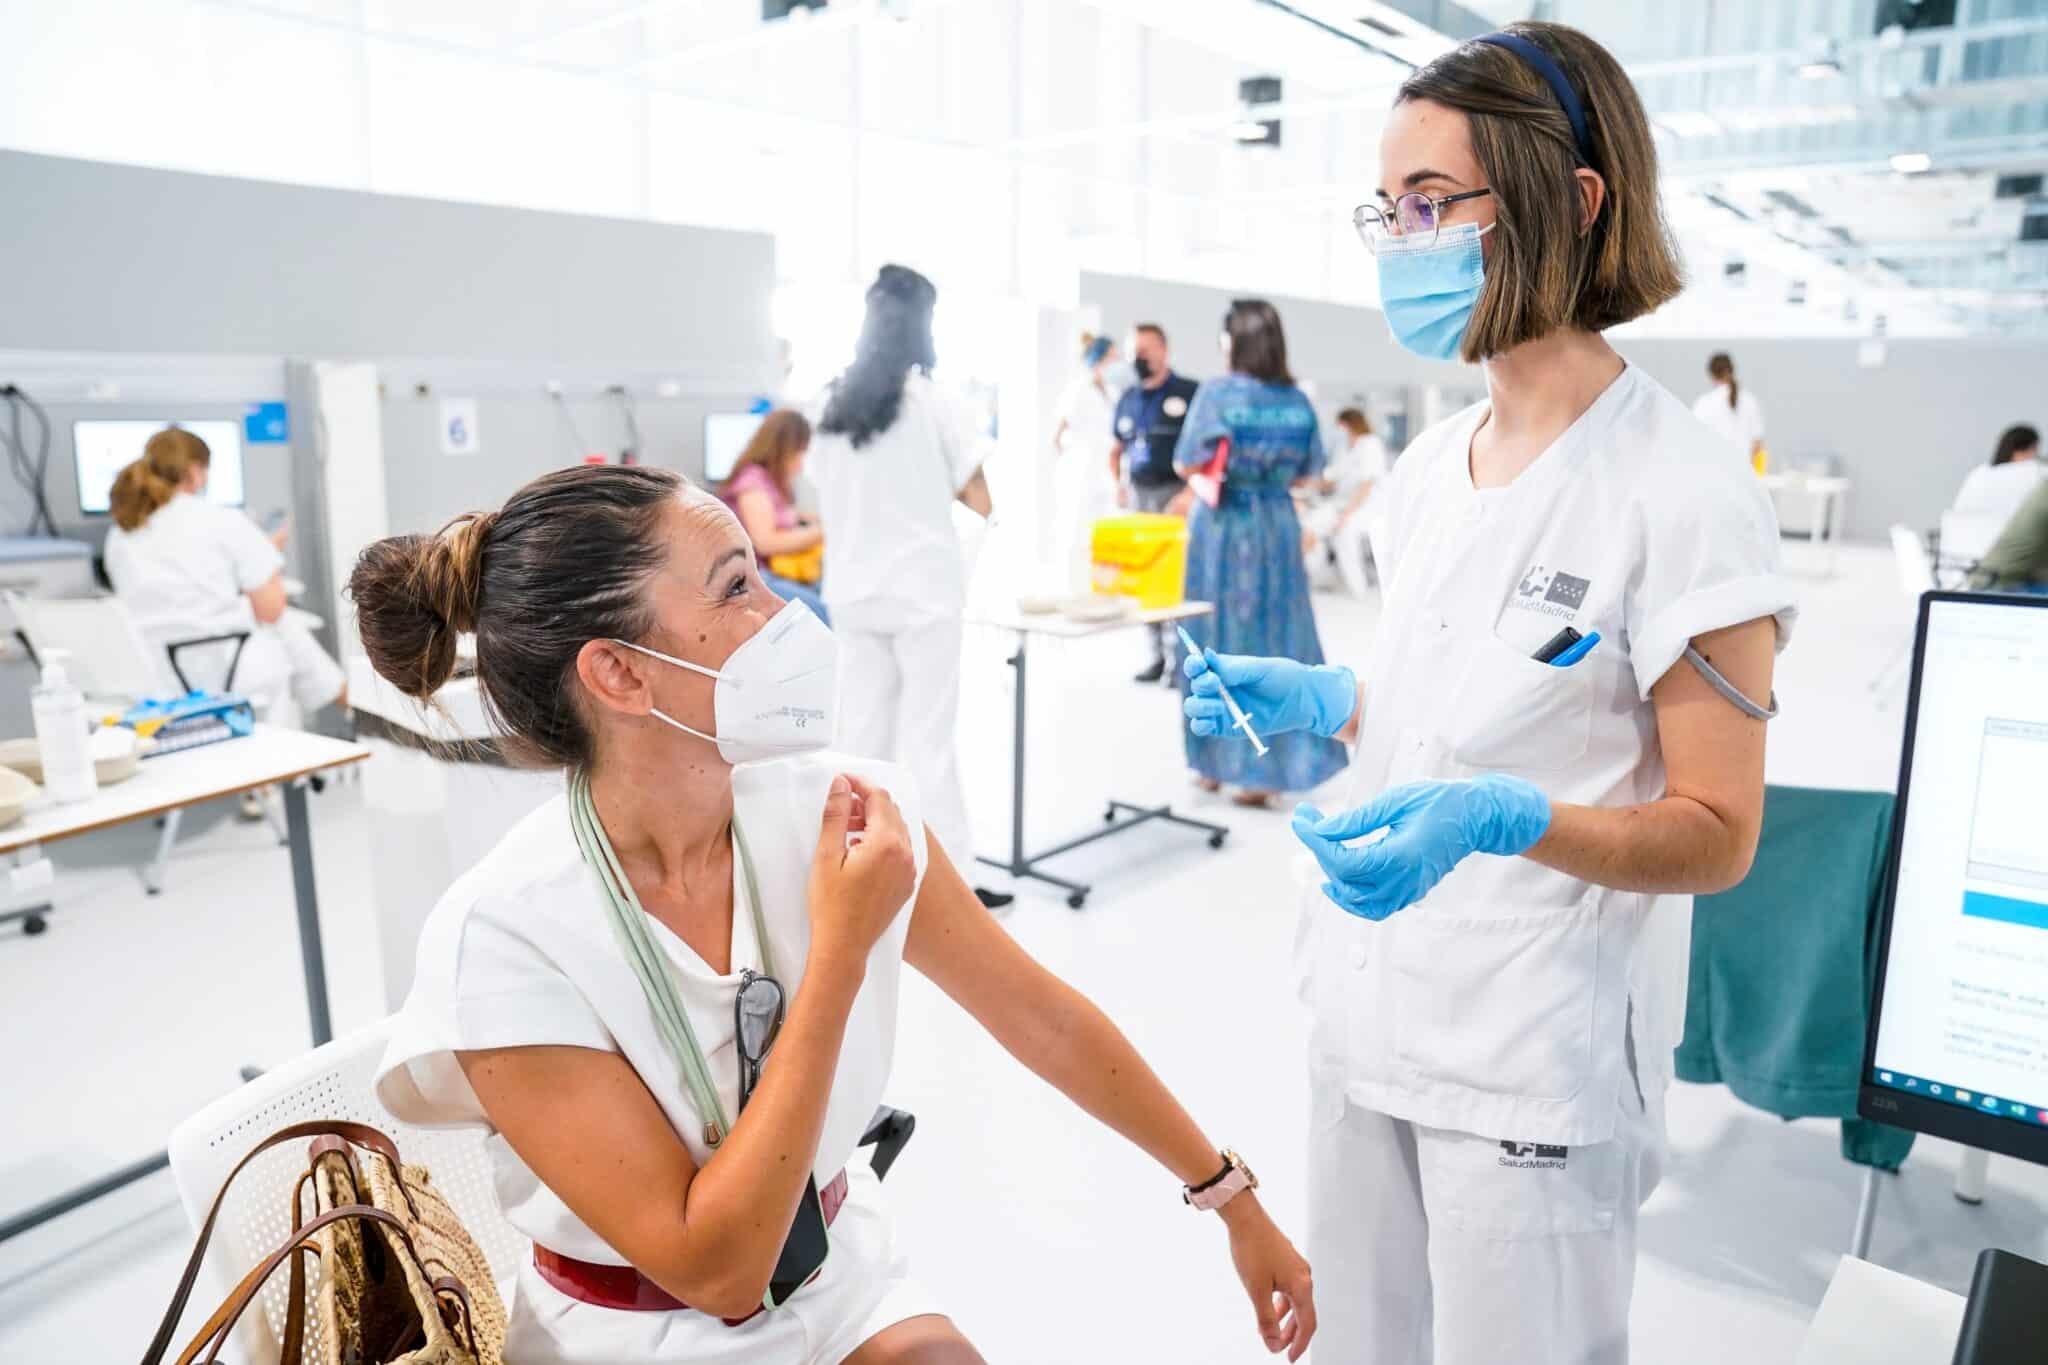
point(1142, 368)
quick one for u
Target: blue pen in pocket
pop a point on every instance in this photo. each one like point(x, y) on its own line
point(1577, 652)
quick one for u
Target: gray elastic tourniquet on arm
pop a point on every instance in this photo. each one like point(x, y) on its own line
point(1729, 689)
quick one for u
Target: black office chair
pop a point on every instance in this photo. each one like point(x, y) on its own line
point(888, 1133)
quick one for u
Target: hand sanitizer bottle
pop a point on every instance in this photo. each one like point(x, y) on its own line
point(62, 734)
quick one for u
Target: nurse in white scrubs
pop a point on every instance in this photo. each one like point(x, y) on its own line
point(1084, 489)
point(891, 455)
point(185, 567)
point(1732, 412)
point(1339, 525)
point(1496, 922)
point(577, 990)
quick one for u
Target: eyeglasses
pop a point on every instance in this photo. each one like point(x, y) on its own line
point(756, 1020)
point(1413, 220)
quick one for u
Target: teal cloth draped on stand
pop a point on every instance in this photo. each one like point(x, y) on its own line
point(1783, 966)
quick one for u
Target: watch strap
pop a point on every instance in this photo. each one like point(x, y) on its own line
point(1221, 1191)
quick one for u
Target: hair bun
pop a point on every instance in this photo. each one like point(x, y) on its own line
point(454, 579)
point(414, 594)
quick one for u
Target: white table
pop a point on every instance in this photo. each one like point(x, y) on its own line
point(1824, 499)
point(1874, 1316)
point(1055, 626)
point(269, 757)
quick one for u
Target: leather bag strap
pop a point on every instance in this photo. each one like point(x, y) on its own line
point(361, 1134)
point(214, 1332)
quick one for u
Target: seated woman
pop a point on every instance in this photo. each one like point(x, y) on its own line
point(186, 567)
point(1334, 526)
point(578, 991)
point(761, 491)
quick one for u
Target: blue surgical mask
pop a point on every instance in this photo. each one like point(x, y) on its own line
point(1429, 292)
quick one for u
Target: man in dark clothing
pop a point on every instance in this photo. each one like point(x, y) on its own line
point(1146, 429)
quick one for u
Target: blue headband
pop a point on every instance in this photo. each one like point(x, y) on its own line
point(1549, 70)
point(1097, 349)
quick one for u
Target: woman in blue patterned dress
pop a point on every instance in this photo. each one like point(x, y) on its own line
point(1244, 554)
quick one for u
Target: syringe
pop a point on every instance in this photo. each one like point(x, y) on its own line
point(1237, 715)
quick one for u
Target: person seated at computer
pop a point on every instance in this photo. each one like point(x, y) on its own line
point(761, 491)
point(1995, 491)
point(187, 568)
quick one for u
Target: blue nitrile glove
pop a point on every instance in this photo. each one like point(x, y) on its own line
point(1431, 828)
point(1278, 694)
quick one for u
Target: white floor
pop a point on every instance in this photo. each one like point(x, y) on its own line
point(1050, 1239)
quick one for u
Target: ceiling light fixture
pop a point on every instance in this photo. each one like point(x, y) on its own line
point(1911, 163)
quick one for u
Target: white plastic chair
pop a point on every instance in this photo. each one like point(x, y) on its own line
point(1967, 537)
point(331, 1082)
point(109, 659)
point(1916, 576)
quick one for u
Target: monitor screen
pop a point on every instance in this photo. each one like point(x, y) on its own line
point(1960, 1037)
point(101, 448)
point(725, 438)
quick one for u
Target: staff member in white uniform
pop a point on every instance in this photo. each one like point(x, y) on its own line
point(577, 990)
point(1498, 982)
point(891, 455)
point(1338, 526)
point(185, 567)
point(1084, 489)
point(1733, 413)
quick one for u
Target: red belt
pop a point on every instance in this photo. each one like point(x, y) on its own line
point(621, 1286)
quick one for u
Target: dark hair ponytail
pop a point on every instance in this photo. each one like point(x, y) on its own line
point(566, 560)
point(1721, 369)
point(895, 338)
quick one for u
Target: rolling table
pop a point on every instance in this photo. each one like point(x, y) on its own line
point(267, 757)
point(1117, 816)
point(1824, 498)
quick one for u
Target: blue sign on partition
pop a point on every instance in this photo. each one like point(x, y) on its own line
point(266, 422)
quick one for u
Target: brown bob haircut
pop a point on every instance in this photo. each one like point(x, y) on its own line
point(1543, 271)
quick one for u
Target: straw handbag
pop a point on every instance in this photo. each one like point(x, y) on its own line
point(401, 1282)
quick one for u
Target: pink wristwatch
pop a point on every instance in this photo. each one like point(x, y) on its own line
point(1221, 1188)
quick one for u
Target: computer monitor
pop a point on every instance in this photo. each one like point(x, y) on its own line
point(725, 439)
point(102, 447)
point(1958, 1043)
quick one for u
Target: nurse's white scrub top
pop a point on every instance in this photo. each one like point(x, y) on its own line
point(892, 554)
point(1502, 1003)
point(191, 566)
point(1360, 460)
point(1741, 426)
point(519, 952)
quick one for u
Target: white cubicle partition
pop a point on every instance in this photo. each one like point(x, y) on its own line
point(430, 819)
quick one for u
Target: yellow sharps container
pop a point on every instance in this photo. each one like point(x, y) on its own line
point(1141, 556)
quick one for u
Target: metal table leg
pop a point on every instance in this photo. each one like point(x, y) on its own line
point(1021, 864)
point(82, 1195)
point(307, 899)
point(1866, 1215)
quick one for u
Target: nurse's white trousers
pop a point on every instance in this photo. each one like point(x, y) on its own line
point(1439, 1248)
point(900, 701)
